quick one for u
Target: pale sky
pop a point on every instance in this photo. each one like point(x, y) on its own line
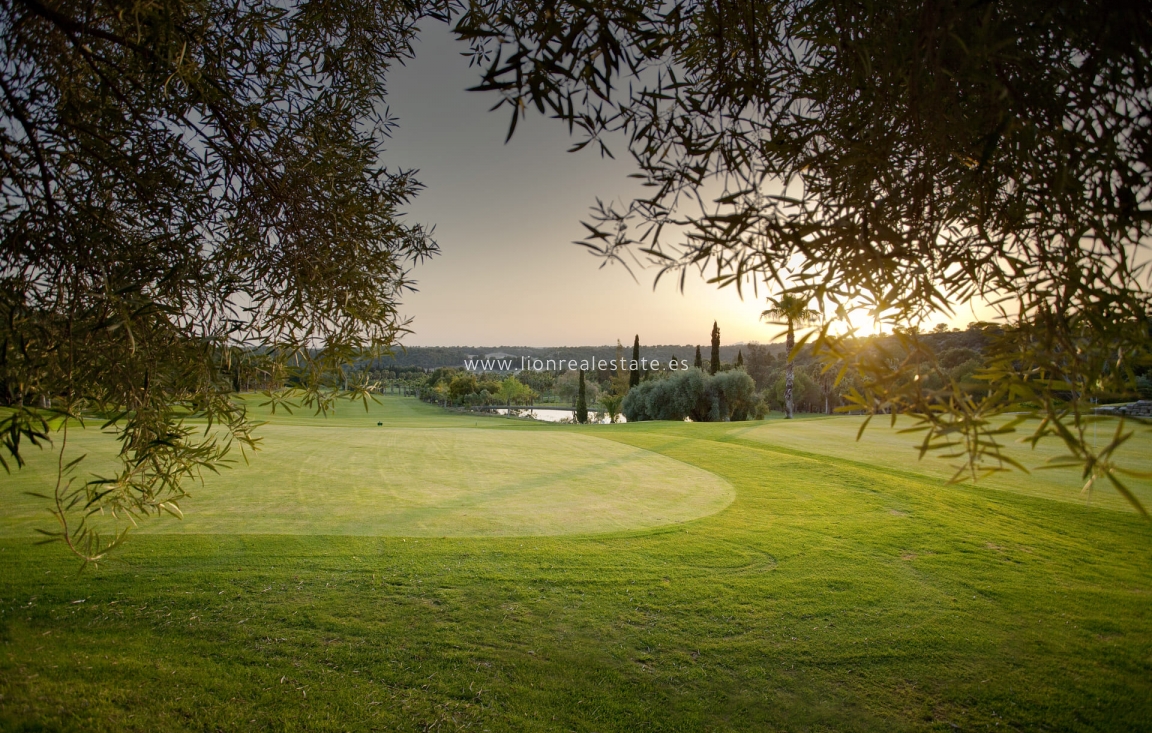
point(506, 216)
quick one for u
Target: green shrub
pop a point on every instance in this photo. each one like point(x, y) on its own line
point(1144, 387)
point(725, 396)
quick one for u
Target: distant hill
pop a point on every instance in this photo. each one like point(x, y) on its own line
point(430, 357)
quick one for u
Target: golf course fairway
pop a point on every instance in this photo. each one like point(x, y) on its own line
point(443, 571)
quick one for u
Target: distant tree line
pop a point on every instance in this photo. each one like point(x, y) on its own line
point(748, 381)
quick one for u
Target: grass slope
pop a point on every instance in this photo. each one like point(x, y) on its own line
point(881, 445)
point(831, 594)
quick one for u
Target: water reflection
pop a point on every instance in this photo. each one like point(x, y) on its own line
point(557, 414)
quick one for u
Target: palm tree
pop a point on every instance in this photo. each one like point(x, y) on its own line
point(611, 404)
point(789, 310)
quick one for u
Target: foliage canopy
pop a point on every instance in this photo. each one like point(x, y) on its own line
point(896, 158)
point(192, 200)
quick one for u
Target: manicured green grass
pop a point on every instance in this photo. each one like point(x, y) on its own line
point(444, 482)
point(836, 592)
point(880, 444)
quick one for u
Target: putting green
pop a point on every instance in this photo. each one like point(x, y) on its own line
point(421, 482)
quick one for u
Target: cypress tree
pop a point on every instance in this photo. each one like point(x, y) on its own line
point(739, 359)
point(581, 402)
point(715, 365)
point(634, 376)
point(699, 362)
